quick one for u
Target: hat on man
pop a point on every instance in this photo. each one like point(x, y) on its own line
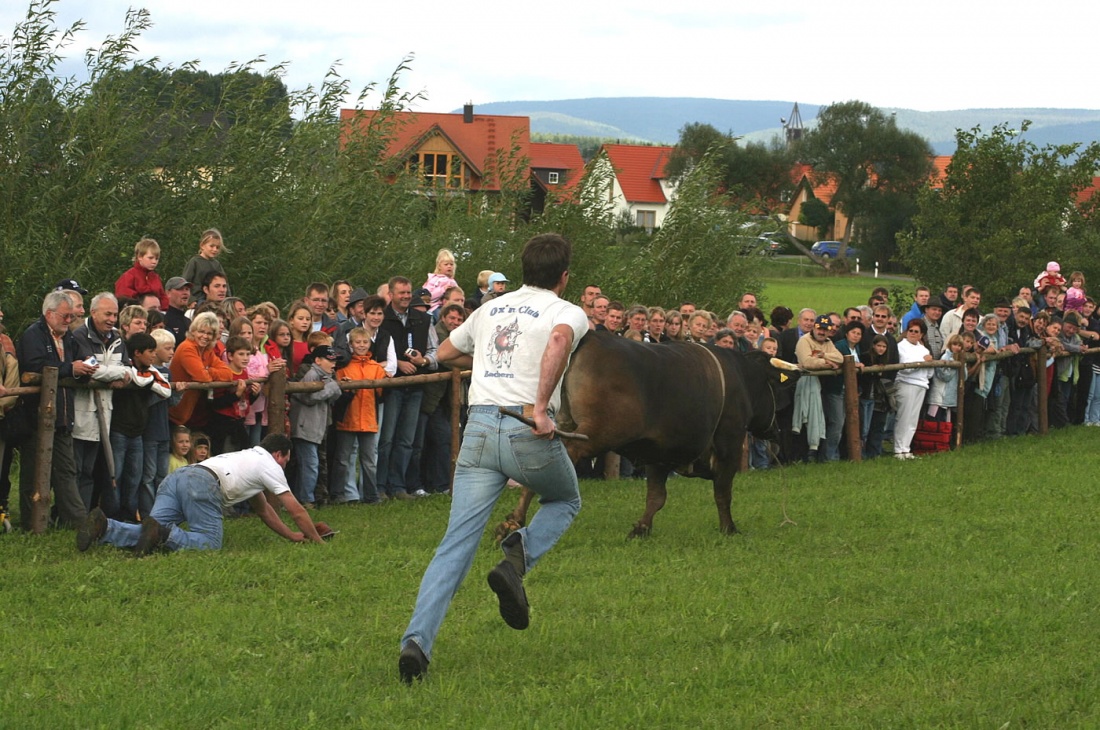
point(177, 282)
point(419, 298)
point(938, 302)
point(71, 285)
point(497, 276)
point(824, 322)
point(1003, 303)
point(358, 294)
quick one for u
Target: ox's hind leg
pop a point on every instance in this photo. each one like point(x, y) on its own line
point(517, 518)
point(656, 479)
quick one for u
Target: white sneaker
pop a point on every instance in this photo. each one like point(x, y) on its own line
point(420, 493)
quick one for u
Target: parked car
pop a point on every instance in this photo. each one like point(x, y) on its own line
point(831, 249)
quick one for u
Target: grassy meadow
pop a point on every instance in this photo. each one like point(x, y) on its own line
point(796, 282)
point(951, 591)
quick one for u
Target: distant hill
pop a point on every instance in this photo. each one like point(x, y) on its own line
point(659, 119)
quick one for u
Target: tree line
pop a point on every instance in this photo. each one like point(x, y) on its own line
point(139, 148)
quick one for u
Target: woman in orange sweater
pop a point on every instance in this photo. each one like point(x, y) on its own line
point(358, 424)
point(195, 361)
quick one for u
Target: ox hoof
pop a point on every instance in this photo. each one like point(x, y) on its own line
point(730, 529)
point(639, 530)
point(506, 528)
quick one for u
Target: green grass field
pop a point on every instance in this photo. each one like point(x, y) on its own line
point(952, 591)
point(797, 283)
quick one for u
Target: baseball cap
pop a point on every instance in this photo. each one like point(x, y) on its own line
point(497, 276)
point(71, 285)
point(177, 282)
point(323, 351)
point(418, 297)
point(824, 322)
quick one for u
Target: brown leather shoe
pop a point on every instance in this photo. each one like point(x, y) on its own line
point(153, 536)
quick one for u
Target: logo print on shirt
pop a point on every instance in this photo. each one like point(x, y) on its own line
point(503, 343)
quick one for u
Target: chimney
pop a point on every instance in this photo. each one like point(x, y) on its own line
point(468, 113)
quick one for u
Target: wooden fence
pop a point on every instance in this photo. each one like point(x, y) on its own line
point(279, 388)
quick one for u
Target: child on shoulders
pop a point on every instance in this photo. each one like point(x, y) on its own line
point(142, 278)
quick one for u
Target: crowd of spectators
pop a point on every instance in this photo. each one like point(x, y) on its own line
point(113, 445)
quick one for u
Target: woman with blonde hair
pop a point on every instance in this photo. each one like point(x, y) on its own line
point(196, 361)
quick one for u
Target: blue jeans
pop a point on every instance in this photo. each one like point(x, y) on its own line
point(344, 471)
point(1092, 410)
point(154, 472)
point(190, 494)
point(309, 466)
point(395, 440)
point(833, 403)
point(129, 454)
point(866, 410)
point(494, 449)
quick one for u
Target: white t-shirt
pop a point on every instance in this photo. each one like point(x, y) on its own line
point(507, 336)
point(244, 474)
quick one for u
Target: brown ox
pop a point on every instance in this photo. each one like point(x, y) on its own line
point(673, 407)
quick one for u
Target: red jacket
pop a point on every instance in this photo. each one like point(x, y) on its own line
point(137, 282)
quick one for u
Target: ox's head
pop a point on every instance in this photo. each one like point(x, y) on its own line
point(771, 387)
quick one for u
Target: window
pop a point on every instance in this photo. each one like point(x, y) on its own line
point(646, 219)
point(437, 169)
point(552, 178)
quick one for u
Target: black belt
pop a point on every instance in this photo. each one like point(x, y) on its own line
point(209, 471)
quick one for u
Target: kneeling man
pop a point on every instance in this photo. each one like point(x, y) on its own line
point(197, 494)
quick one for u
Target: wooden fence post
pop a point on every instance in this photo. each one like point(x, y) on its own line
point(1044, 394)
point(43, 448)
point(276, 399)
point(960, 397)
point(456, 420)
point(852, 426)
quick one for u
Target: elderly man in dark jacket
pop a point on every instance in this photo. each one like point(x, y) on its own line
point(48, 343)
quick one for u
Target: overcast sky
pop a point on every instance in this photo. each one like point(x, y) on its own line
point(931, 55)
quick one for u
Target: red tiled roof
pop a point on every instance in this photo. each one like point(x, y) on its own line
point(553, 156)
point(1085, 194)
point(479, 141)
point(639, 171)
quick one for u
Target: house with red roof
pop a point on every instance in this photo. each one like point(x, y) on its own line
point(638, 185)
point(808, 185)
point(470, 152)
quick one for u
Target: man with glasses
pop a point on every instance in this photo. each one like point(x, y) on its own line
point(317, 301)
point(880, 325)
point(48, 343)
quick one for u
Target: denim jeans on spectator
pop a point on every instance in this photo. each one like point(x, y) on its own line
point(190, 495)
point(309, 463)
point(129, 458)
point(395, 439)
point(153, 473)
point(758, 453)
point(876, 432)
point(1092, 409)
point(833, 405)
point(348, 467)
point(495, 448)
point(866, 410)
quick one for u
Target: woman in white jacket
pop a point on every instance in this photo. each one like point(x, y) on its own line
point(911, 387)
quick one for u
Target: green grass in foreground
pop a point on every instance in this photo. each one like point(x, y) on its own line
point(952, 591)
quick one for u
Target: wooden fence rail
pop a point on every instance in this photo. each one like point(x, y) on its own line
point(48, 384)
